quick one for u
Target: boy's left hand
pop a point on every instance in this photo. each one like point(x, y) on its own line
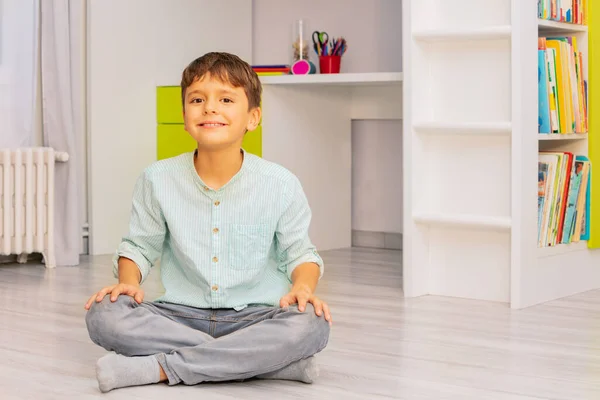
point(301, 296)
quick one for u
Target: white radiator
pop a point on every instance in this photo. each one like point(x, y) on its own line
point(27, 202)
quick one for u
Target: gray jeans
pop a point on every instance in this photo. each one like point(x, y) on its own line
point(195, 345)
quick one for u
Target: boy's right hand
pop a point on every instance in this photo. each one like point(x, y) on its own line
point(115, 290)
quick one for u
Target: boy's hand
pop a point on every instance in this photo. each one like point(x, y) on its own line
point(303, 295)
point(115, 290)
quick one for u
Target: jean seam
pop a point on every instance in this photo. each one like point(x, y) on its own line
point(189, 316)
point(230, 319)
point(213, 323)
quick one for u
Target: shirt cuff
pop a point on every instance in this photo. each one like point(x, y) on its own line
point(313, 256)
point(128, 251)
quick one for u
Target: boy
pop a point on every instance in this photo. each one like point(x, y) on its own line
point(237, 265)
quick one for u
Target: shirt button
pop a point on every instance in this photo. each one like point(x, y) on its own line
point(217, 203)
point(216, 230)
point(215, 259)
point(215, 288)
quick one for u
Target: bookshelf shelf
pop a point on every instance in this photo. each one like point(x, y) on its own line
point(550, 251)
point(562, 136)
point(458, 128)
point(485, 33)
point(343, 79)
point(458, 220)
point(547, 26)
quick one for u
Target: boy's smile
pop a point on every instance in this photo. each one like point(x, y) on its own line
point(211, 124)
point(216, 114)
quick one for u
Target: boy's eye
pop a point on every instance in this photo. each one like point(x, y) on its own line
point(196, 100)
point(226, 100)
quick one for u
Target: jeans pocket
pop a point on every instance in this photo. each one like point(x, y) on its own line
point(248, 246)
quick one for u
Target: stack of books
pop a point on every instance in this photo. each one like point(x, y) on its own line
point(562, 89)
point(563, 198)
point(263, 70)
point(571, 11)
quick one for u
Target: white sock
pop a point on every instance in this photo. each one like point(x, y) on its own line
point(115, 371)
point(305, 370)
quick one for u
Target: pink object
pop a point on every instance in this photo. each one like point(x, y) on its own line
point(302, 67)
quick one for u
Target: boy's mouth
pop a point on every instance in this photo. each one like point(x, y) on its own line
point(212, 124)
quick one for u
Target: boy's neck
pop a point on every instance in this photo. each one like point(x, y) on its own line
point(216, 168)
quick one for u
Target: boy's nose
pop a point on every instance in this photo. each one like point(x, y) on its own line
point(209, 107)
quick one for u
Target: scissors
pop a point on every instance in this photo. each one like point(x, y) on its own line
point(320, 41)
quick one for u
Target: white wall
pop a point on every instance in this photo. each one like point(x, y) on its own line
point(374, 27)
point(377, 176)
point(133, 46)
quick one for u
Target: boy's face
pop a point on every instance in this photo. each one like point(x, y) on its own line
point(216, 114)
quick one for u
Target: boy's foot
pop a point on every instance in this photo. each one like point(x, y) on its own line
point(305, 370)
point(115, 371)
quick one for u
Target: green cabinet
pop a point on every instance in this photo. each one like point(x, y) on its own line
point(168, 105)
point(171, 137)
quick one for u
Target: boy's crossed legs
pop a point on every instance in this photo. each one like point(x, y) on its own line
point(193, 345)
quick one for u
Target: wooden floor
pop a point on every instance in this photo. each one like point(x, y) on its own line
point(381, 346)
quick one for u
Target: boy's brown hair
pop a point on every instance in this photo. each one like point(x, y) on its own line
point(227, 68)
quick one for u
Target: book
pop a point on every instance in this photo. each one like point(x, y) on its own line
point(562, 87)
point(270, 70)
point(563, 198)
point(570, 11)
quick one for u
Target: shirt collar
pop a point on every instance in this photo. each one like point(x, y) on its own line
point(246, 161)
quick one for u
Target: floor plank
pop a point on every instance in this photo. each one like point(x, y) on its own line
point(382, 346)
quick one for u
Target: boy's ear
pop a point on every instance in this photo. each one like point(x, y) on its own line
point(255, 115)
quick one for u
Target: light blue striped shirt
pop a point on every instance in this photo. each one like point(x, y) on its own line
point(225, 248)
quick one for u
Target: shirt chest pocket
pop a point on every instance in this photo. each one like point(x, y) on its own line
point(248, 246)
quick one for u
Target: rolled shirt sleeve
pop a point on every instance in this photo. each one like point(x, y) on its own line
point(147, 229)
point(294, 245)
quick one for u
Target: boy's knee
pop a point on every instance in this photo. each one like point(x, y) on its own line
point(320, 323)
point(106, 307)
point(101, 319)
point(314, 328)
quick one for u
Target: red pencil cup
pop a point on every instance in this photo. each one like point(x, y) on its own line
point(330, 64)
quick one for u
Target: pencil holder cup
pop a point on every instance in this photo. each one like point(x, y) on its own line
point(330, 64)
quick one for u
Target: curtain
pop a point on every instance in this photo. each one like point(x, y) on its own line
point(62, 81)
point(18, 71)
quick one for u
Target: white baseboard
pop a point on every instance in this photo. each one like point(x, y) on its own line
point(378, 240)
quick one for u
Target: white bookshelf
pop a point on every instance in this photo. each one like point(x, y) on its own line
point(470, 155)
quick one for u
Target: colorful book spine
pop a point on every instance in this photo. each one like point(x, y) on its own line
point(543, 103)
point(562, 87)
point(563, 198)
point(269, 70)
point(570, 11)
